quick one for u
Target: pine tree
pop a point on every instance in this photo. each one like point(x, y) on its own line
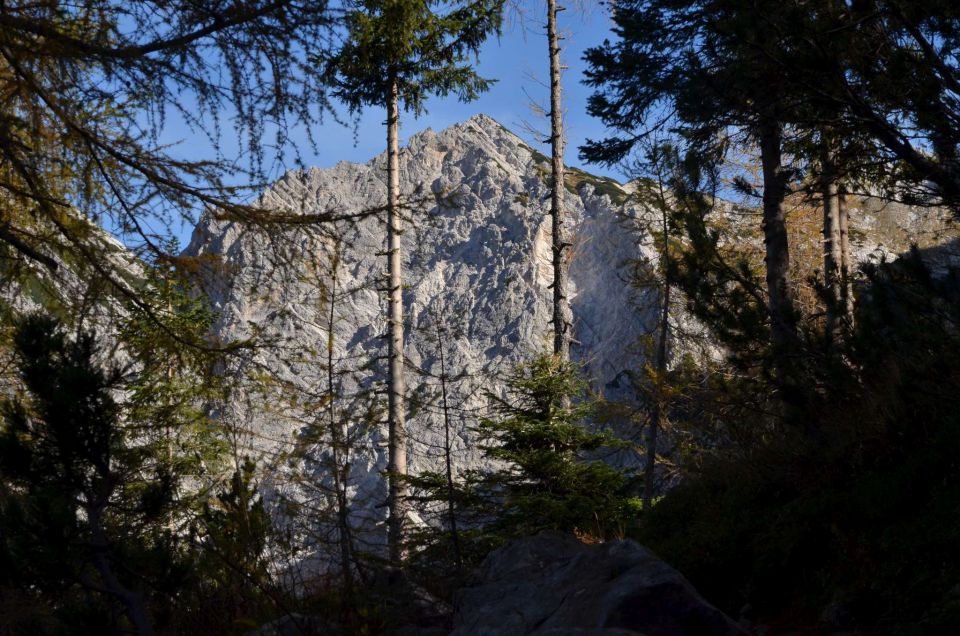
point(550, 472)
point(75, 481)
point(106, 458)
point(703, 61)
point(87, 89)
point(396, 53)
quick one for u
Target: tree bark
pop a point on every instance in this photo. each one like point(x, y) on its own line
point(656, 414)
point(846, 259)
point(561, 304)
point(397, 463)
point(780, 303)
point(338, 437)
point(832, 243)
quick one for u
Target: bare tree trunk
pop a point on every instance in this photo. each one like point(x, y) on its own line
point(561, 304)
point(656, 415)
point(832, 255)
point(338, 435)
point(397, 463)
point(451, 509)
point(780, 304)
point(846, 259)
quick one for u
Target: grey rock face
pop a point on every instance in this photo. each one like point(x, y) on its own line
point(476, 261)
point(553, 584)
point(75, 292)
point(477, 265)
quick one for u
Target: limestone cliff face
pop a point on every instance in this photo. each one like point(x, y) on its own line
point(476, 260)
point(477, 268)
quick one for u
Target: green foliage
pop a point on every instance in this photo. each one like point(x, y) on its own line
point(174, 385)
point(540, 435)
point(80, 482)
point(722, 286)
point(875, 82)
point(859, 516)
point(232, 591)
point(547, 468)
point(602, 186)
point(423, 45)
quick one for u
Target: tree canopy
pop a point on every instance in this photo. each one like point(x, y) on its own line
point(883, 74)
point(86, 89)
point(425, 45)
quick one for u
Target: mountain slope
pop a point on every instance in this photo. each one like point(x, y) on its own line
point(476, 260)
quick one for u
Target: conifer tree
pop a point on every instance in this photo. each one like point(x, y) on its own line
point(397, 53)
point(654, 193)
point(339, 410)
point(88, 489)
point(548, 474)
point(702, 61)
point(235, 528)
point(106, 458)
point(889, 70)
point(87, 89)
point(561, 303)
point(436, 494)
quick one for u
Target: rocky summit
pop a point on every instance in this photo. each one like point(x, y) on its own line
point(477, 286)
point(477, 272)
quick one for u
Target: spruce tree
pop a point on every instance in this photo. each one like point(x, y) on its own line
point(397, 53)
point(703, 62)
point(549, 472)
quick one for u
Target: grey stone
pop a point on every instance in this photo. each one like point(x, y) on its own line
point(295, 624)
point(553, 584)
point(476, 249)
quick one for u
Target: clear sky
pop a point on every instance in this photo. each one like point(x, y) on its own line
point(518, 60)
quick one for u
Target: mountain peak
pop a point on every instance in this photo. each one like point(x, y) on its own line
point(477, 256)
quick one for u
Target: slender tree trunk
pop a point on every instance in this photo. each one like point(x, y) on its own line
point(561, 304)
point(397, 388)
point(832, 255)
point(780, 304)
point(171, 522)
point(447, 448)
point(133, 602)
point(338, 434)
point(846, 259)
point(656, 415)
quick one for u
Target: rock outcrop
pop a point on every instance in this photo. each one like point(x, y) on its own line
point(476, 260)
point(476, 263)
point(554, 584)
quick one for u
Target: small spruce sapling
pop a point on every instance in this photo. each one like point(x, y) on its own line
point(548, 472)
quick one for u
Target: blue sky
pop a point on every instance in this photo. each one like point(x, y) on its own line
point(517, 60)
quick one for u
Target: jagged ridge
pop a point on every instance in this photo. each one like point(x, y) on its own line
point(476, 252)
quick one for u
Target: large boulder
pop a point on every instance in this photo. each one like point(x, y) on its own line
point(553, 584)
